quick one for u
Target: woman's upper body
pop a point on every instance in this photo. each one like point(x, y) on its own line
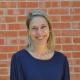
point(39, 61)
point(26, 67)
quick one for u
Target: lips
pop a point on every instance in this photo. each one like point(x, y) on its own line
point(41, 37)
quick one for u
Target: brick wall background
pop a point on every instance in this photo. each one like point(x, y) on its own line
point(65, 20)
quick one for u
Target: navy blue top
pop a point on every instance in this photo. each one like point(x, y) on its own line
point(26, 67)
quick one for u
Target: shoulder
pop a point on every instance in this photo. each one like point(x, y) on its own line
point(60, 55)
point(18, 54)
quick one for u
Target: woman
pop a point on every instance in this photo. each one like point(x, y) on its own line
point(39, 61)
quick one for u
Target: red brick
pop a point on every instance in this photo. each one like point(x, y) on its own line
point(54, 18)
point(3, 4)
point(42, 5)
point(4, 77)
point(15, 26)
point(77, 48)
point(57, 32)
point(21, 18)
point(76, 39)
point(10, 19)
point(55, 4)
point(11, 11)
point(71, 70)
point(11, 4)
point(66, 40)
point(19, 41)
point(67, 47)
point(3, 56)
point(77, 69)
point(68, 54)
point(76, 54)
point(66, 3)
point(71, 62)
point(70, 32)
point(76, 61)
point(61, 25)
point(11, 33)
point(32, 4)
point(22, 4)
point(23, 33)
point(75, 76)
point(1, 12)
point(21, 11)
point(76, 25)
point(67, 33)
point(76, 32)
point(4, 63)
point(49, 4)
point(8, 4)
point(2, 34)
point(2, 19)
point(76, 18)
point(14, 41)
point(58, 40)
point(3, 71)
point(2, 26)
point(60, 11)
point(27, 4)
point(22, 41)
point(75, 3)
point(8, 48)
point(1, 41)
point(8, 34)
point(75, 11)
point(10, 56)
point(66, 18)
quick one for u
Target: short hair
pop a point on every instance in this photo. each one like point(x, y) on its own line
point(37, 13)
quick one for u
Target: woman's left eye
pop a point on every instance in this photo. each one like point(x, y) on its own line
point(43, 27)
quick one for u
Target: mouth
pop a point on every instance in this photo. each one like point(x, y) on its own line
point(41, 37)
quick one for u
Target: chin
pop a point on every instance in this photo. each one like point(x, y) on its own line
point(41, 41)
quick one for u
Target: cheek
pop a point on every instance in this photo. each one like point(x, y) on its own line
point(46, 32)
point(33, 34)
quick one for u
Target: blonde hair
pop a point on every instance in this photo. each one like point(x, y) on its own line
point(35, 13)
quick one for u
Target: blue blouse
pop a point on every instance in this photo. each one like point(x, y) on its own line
point(26, 67)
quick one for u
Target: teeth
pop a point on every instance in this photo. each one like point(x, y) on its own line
point(40, 37)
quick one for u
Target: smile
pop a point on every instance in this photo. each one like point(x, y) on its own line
point(41, 38)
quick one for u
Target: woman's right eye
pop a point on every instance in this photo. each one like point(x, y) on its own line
point(34, 28)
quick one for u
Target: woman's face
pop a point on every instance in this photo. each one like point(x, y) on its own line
point(39, 30)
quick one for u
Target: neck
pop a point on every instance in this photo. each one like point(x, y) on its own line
point(40, 49)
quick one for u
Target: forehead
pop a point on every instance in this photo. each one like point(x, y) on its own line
point(38, 20)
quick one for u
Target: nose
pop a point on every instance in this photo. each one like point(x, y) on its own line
point(39, 32)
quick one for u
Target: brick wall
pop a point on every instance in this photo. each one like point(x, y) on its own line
point(65, 20)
